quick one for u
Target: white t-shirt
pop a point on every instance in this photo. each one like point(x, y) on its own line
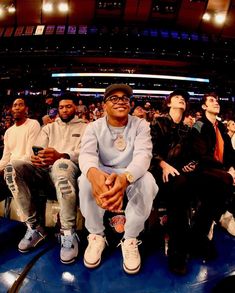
point(18, 142)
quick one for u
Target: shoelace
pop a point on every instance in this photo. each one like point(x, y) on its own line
point(96, 242)
point(131, 250)
point(29, 234)
point(67, 241)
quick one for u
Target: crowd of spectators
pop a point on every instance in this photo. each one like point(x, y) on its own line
point(44, 110)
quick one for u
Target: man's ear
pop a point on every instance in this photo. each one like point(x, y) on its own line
point(204, 107)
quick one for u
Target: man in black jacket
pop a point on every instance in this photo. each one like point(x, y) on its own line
point(212, 147)
point(173, 169)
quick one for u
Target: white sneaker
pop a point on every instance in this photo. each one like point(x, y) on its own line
point(131, 255)
point(69, 246)
point(31, 239)
point(227, 221)
point(93, 252)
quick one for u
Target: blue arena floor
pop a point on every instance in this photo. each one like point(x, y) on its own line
point(47, 274)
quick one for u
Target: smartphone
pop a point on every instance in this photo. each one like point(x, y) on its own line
point(193, 163)
point(36, 149)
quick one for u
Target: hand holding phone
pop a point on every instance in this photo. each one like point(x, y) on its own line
point(36, 149)
point(193, 163)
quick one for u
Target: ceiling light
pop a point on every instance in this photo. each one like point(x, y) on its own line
point(1, 11)
point(47, 7)
point(220, 18)
point(206, 16)
point(154, 76)
point(63, 7)
point(11, 9)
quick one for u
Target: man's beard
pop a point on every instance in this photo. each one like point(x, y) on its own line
point(18, 118)
point(68, 119)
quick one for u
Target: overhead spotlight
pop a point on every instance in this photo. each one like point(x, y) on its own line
point(206, 16)
point(11, 9)
point(220, 18)
point(47, 7)
point(1, 11)
point(63, 7)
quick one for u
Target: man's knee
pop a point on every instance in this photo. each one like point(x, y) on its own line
point(63, 167)
point(148, 182)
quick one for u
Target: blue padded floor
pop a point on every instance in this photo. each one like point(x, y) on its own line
point(49, 275)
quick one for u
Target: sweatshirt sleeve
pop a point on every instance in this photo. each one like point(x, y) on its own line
point(43, 137)
point(6, 153)
point(89, 153)
point(142, 154)
point(33, 132)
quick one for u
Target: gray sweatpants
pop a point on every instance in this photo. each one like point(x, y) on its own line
point(140, 195)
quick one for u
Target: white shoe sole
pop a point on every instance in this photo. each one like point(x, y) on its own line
point(66, 262)
point(29, 249)
point(131, 271)
point(91, 265)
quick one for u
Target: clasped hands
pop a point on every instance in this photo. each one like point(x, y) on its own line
point(108, 189)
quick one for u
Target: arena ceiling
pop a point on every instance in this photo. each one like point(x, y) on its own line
point(143, 36)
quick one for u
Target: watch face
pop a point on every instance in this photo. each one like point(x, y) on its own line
point(129, 177)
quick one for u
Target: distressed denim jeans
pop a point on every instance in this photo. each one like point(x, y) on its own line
point(21, 177)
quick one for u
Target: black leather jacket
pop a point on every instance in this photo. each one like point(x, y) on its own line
point(170, 143)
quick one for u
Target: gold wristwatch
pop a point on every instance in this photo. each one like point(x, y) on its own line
point(129, 177)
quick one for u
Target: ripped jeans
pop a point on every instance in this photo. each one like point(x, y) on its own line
point(21, 177)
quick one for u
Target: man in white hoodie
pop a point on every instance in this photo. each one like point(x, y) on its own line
point(55, 164)
point(18, 139)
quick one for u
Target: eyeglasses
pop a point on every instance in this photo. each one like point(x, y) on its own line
point(115, 99)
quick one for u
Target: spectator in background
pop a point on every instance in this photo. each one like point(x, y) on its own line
point(198, 115)
point(132, 106)
point(50, 117)
point(139, 112)
point(147, 107)
point(231, 131)
point(49, 102)
point(56, 165)
point(189, 119)
point(81, 108)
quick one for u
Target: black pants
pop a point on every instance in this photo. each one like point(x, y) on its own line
point(4, 190)
point(215, 192)
point(210, 190)
point(177, 194)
